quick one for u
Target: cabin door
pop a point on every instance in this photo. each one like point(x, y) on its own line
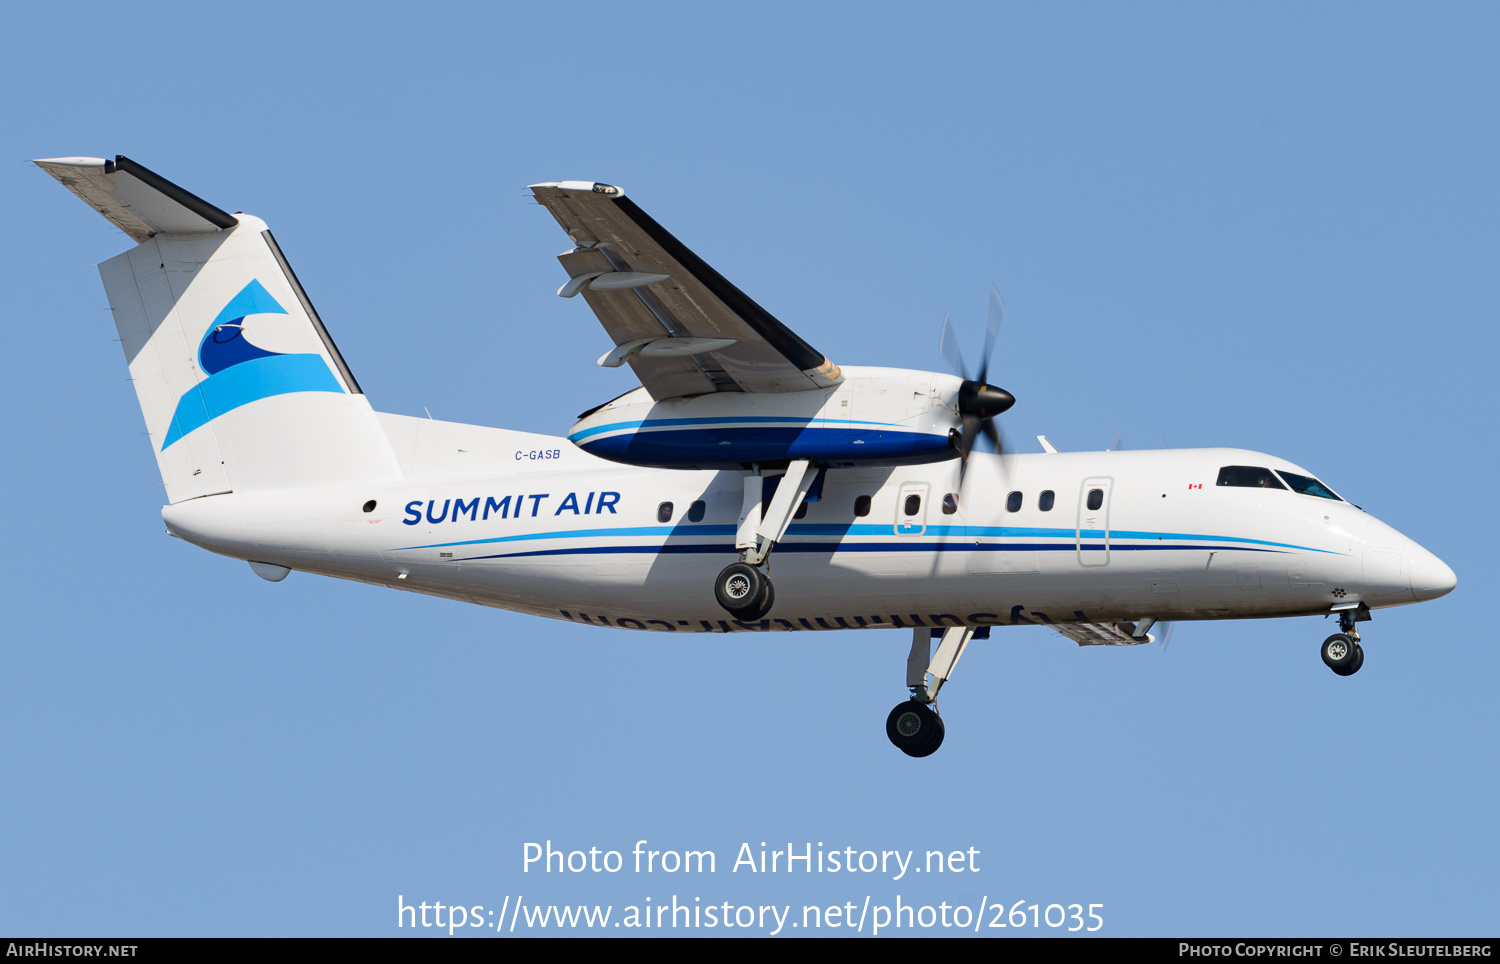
point(1093, 521)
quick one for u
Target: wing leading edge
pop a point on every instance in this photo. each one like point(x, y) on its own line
point(679, 324)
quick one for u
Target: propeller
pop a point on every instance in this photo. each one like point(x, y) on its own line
point(1166, 635)
point(978, 401)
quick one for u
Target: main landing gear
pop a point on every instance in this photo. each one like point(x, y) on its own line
point(915, 727)
point(743, 588)
point(1341, 651)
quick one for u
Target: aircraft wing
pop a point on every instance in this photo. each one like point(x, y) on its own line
point(677, 322)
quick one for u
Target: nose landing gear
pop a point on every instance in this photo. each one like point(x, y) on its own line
point(1341, 652)
point(914, 727)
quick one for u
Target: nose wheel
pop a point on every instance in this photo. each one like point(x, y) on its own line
point(915, 728)
point(1341, 652)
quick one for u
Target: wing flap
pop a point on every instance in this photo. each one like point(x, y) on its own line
point(627, 318)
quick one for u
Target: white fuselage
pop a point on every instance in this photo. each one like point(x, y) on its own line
point(587, 545)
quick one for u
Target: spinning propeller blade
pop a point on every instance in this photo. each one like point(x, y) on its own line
point(991, 332)
point(978, 401)
point(948, 345)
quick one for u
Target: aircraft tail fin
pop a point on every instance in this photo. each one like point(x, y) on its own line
point(239, 382)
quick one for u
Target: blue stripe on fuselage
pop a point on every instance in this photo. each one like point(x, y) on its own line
point(832, 547)
point(864, 529)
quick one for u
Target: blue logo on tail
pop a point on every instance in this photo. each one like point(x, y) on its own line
point(240, 373)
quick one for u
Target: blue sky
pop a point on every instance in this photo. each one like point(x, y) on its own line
point(1269, 226)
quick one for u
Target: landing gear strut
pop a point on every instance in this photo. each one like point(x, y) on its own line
point(1341, 651)
point(743, 589)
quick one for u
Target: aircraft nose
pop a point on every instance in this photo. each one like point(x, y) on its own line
point(1430, 576)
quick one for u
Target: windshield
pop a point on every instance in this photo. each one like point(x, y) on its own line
point(1249, 477)
point(1309, 486)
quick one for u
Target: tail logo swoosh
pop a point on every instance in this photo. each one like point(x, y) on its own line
point(240, 372)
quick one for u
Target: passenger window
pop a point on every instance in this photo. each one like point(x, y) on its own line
point(1013, 502)
point(950, 503)
point(664, 512)
point(913, 505)
point(1046, 500)
point(696, 510)
point(1249, 477)
point(862, 506)
point(801, 511)
point(1096, 498)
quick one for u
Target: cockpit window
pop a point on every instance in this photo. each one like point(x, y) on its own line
point(1308, 486)
point(1249, 477)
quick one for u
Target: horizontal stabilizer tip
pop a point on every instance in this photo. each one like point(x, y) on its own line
point(70, 161)
point(592, 187)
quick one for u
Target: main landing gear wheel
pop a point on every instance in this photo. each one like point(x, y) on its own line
point(744, 591)
point(915, 729)
point(1342, 654)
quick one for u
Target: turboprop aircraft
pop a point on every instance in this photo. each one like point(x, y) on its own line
point(743, 447)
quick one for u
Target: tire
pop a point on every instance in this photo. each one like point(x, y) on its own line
point(762, 606)
point(739, 588)
point(914, 729)
point(1339, 652)
point(935, 742)
point(1355, 664)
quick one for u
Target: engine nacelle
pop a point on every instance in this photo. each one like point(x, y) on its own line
point(877, 416)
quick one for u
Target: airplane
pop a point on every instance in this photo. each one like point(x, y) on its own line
point(743, 446)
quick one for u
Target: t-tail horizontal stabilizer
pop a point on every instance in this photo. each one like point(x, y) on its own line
point(138, 201)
